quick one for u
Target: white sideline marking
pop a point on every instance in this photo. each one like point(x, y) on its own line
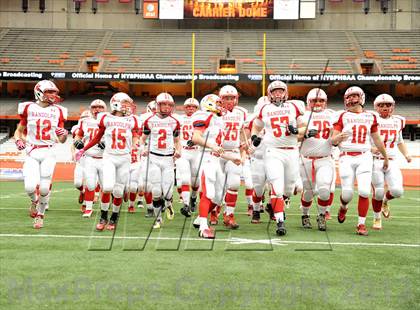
point(232, 240)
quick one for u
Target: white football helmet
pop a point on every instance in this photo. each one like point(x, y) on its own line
point(85, 114)
point(316, 100)
point(384, 104)
point(354, 90)
point(121, 102)
point(262, 101)
point(190, 106)
point(192, 101)
point(47, 86)
point(277, 98)
point(151, 107)
point(211, 103)
point(165, 104)
point(229, 97)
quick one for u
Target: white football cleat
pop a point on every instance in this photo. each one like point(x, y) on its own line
point(87, 213)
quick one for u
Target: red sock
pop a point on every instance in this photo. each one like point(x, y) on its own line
point(249, 191)
point(389, 196)
point(98, 188)
point(331, 199)
point(117, 202)
point(376, 205)
point(278, 204)
point(89, 195)
point(363, 206)
point(80, 188)
point(141, 194)
point(205, 206)
point(194, 188)
point(323, 203)
point(230, 198)
point(255, 198)
point(184, 188)
point(179, 189)
point(148, 197)
point(305, 204)
point(106, 197)
point(133, 196)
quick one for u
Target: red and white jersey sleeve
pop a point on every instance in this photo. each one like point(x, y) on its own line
point(233, 125)
point(118, 134)
point(211, 127)
point(275, 120)
point(359, 127)
point(162, 133)
point(187, 129)
point(41, 123)
point(390, 130)
point(88, 128)
point(320, 145)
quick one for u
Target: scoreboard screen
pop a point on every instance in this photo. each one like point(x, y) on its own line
point(210, 9)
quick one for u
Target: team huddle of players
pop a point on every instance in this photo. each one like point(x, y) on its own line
point(284, 147)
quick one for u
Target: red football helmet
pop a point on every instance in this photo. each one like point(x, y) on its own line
point(190, 106)
point(384, 104)
point(165, 104)
point(277, 92)
point(47, 92)
point(316, 100)
point(97, 106)
point(354, 95)
point(229, 97)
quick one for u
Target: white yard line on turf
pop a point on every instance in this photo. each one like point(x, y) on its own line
point(24, 194)
point(232, 240)
point(238, 213)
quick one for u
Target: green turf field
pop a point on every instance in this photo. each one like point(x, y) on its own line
point(68, 265)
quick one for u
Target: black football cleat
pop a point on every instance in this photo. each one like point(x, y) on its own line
point(281, 229)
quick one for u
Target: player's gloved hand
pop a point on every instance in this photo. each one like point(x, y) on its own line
point(293, 130)
point(256, 140)
point(190, 143)
point(79, 154)
point(311, 133)
point(101, 145)
point(78, 144)
point(61, 132)
point(20, 144)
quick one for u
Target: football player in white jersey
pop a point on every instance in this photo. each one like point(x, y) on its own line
point(259, 177)
point(187, 164)
point(352, 131)
point(41, 125)
point(233, 142)
point(133, 184)
point(92, 161)
point(78, 179)
point(120, 130)
point(317, 167)
point(280, 120)
point(209, 134)
point(161, 131)
point(146, 189)
point(390, 128)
